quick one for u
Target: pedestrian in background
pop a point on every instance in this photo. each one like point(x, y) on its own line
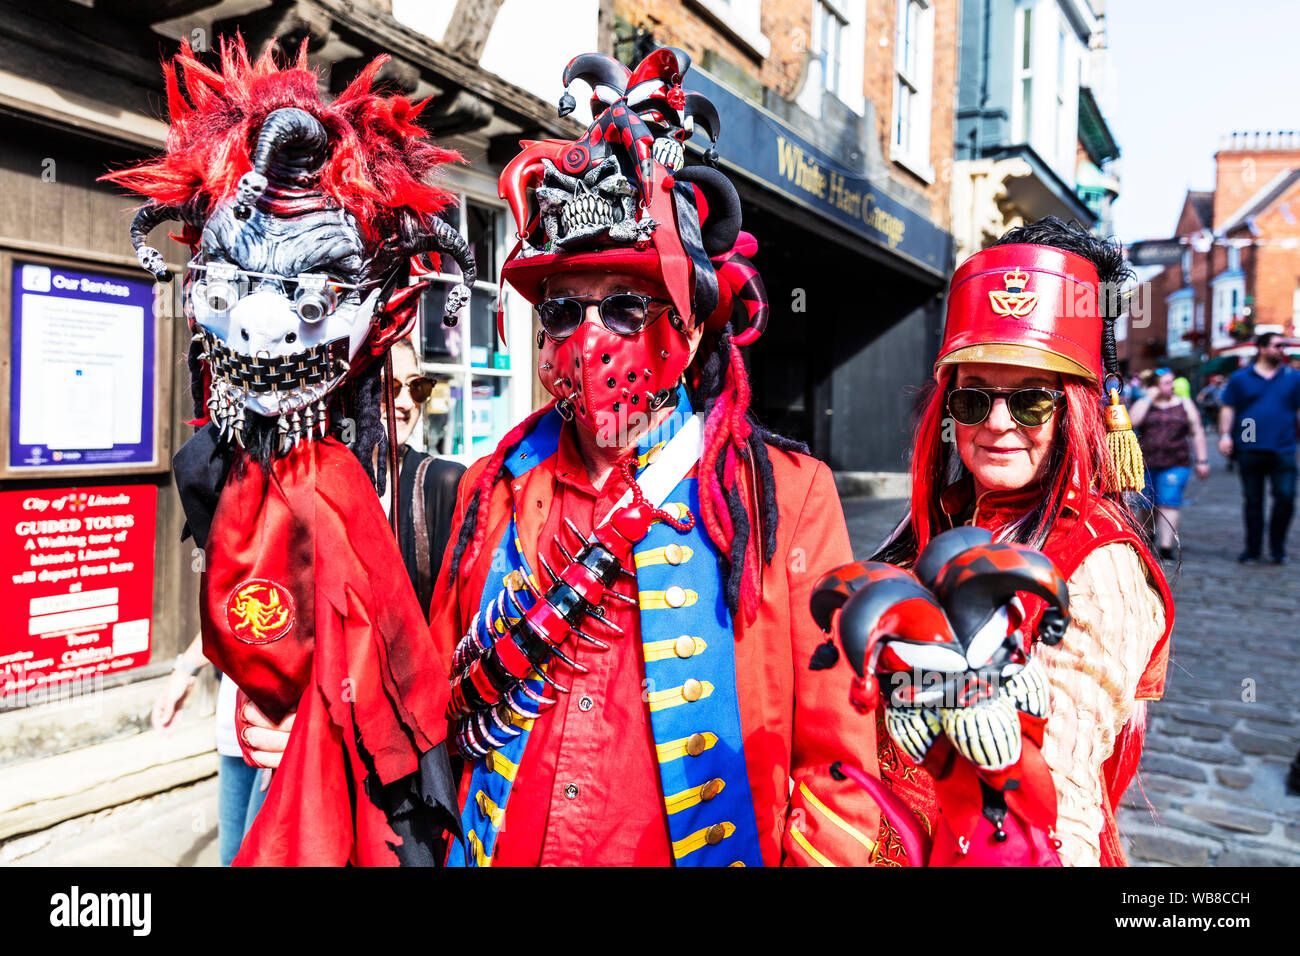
point(426, 486)
point(1258, 425)
point(1166, 421)
point(1133, 390)
point(1209, 400)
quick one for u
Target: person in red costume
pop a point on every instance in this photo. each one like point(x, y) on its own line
point(303, 219)
point(625, 603)
point(1014, 437)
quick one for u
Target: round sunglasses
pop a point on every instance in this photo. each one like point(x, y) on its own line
point(1031, 407)
point(623, 313)
point(421, 388)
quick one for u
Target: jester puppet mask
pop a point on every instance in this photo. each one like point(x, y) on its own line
point(303, 219)
point(946, 652)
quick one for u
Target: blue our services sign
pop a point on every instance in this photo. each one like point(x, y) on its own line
point(83, 393)
point(759, 145)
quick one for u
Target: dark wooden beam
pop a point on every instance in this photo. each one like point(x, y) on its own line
point(471, 22)
point(289, 23)
point(66, 35)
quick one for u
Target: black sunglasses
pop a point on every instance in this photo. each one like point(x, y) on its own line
point(1030, 407)
point(421, 388)
point(623, 313)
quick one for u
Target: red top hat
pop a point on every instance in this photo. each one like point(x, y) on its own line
point(1025, 304)
point(621, 199)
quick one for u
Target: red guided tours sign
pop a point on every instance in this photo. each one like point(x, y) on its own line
point(76, 583)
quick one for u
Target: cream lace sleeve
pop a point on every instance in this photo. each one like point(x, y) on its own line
point(1117, 618)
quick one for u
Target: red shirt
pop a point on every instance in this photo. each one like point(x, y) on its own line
point(563, 810)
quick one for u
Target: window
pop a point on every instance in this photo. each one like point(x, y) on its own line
point(1228, 304)
point(1179, 322)
point(913, 77)
point(481, 386)
point(1024, 77)
point(829, 28)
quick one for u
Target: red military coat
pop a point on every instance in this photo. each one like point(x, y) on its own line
point(795, 721)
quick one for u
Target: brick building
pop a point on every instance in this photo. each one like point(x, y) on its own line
point(1239, 269)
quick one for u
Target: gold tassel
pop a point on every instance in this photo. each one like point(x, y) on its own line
point(1126, 471)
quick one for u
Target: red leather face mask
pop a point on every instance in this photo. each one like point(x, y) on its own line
point(610, 381)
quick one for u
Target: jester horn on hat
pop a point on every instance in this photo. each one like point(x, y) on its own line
point(621, 198)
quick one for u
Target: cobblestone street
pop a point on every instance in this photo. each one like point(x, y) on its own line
point(1219, 743)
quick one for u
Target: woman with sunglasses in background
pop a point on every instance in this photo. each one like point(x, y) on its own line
point(1012, 437)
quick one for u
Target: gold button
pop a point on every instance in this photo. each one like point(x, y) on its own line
point(684, 646)
point(675, 596)
point(491, 761)
point(652, 454)
point(673, 554)
point(711, 789)
point(515, 580)
point(692, 690)
point(715, 834)
point(696, 745)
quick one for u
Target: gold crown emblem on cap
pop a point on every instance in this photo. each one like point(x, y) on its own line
point(1014, 300)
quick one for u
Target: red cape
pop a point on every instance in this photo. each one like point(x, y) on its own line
point(306, 603)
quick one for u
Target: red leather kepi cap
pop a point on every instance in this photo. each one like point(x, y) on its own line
point(1025, 304)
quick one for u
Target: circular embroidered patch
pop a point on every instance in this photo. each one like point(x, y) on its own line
point(260, 611)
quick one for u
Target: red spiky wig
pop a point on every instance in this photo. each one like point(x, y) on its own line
point(380, 158)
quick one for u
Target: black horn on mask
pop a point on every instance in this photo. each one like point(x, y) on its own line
point(145, 221)
point(704, 117)
point(973, 584)
point(291, 148)
point(722, 226)
point(441, 237)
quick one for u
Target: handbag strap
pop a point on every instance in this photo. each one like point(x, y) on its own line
point(421, 527)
